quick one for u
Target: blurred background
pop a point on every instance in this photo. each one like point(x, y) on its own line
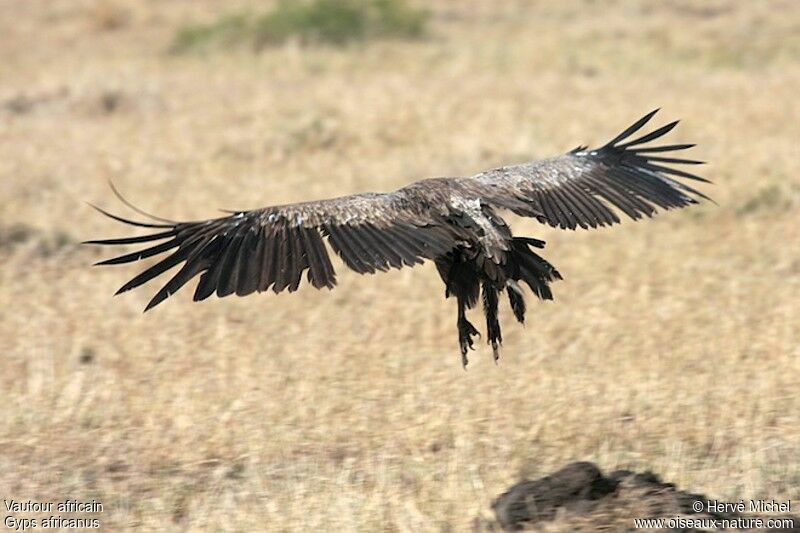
point(673, 344)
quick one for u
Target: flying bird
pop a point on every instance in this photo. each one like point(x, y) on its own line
point(454, 222)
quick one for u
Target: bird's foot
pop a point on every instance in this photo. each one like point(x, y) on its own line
point(465, 333)
point(495, 338)
point(495, 350)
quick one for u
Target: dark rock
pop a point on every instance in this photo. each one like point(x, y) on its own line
point(576, 484)
point(579, 497)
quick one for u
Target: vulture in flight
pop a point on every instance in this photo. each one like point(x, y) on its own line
point(455, 222)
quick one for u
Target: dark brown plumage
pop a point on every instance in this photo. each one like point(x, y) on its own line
point(452, 221)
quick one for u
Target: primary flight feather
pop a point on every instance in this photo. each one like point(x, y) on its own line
point(453, 221)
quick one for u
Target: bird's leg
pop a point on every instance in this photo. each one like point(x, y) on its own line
point(465, 331)
point(494, 337)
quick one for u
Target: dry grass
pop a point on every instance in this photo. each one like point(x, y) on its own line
point(673, 345)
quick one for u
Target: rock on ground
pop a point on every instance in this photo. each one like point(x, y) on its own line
point(580, 498)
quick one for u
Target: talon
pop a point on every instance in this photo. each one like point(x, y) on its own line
point(492, 324)
point(465, 333)
point(495, 351)
point(464, 360)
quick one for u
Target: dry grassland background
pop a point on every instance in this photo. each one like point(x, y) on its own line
point(673, 343)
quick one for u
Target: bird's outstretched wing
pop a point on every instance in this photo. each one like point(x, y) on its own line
point(580, 188)
point(255, 250)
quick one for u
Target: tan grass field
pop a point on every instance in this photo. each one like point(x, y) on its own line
point(673, 344)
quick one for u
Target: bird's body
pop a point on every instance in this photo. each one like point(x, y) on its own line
point(452, 221)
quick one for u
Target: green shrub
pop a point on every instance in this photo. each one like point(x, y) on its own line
point(398, 19)
point(227, 31)
point(333, 22)
point(324, 21)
